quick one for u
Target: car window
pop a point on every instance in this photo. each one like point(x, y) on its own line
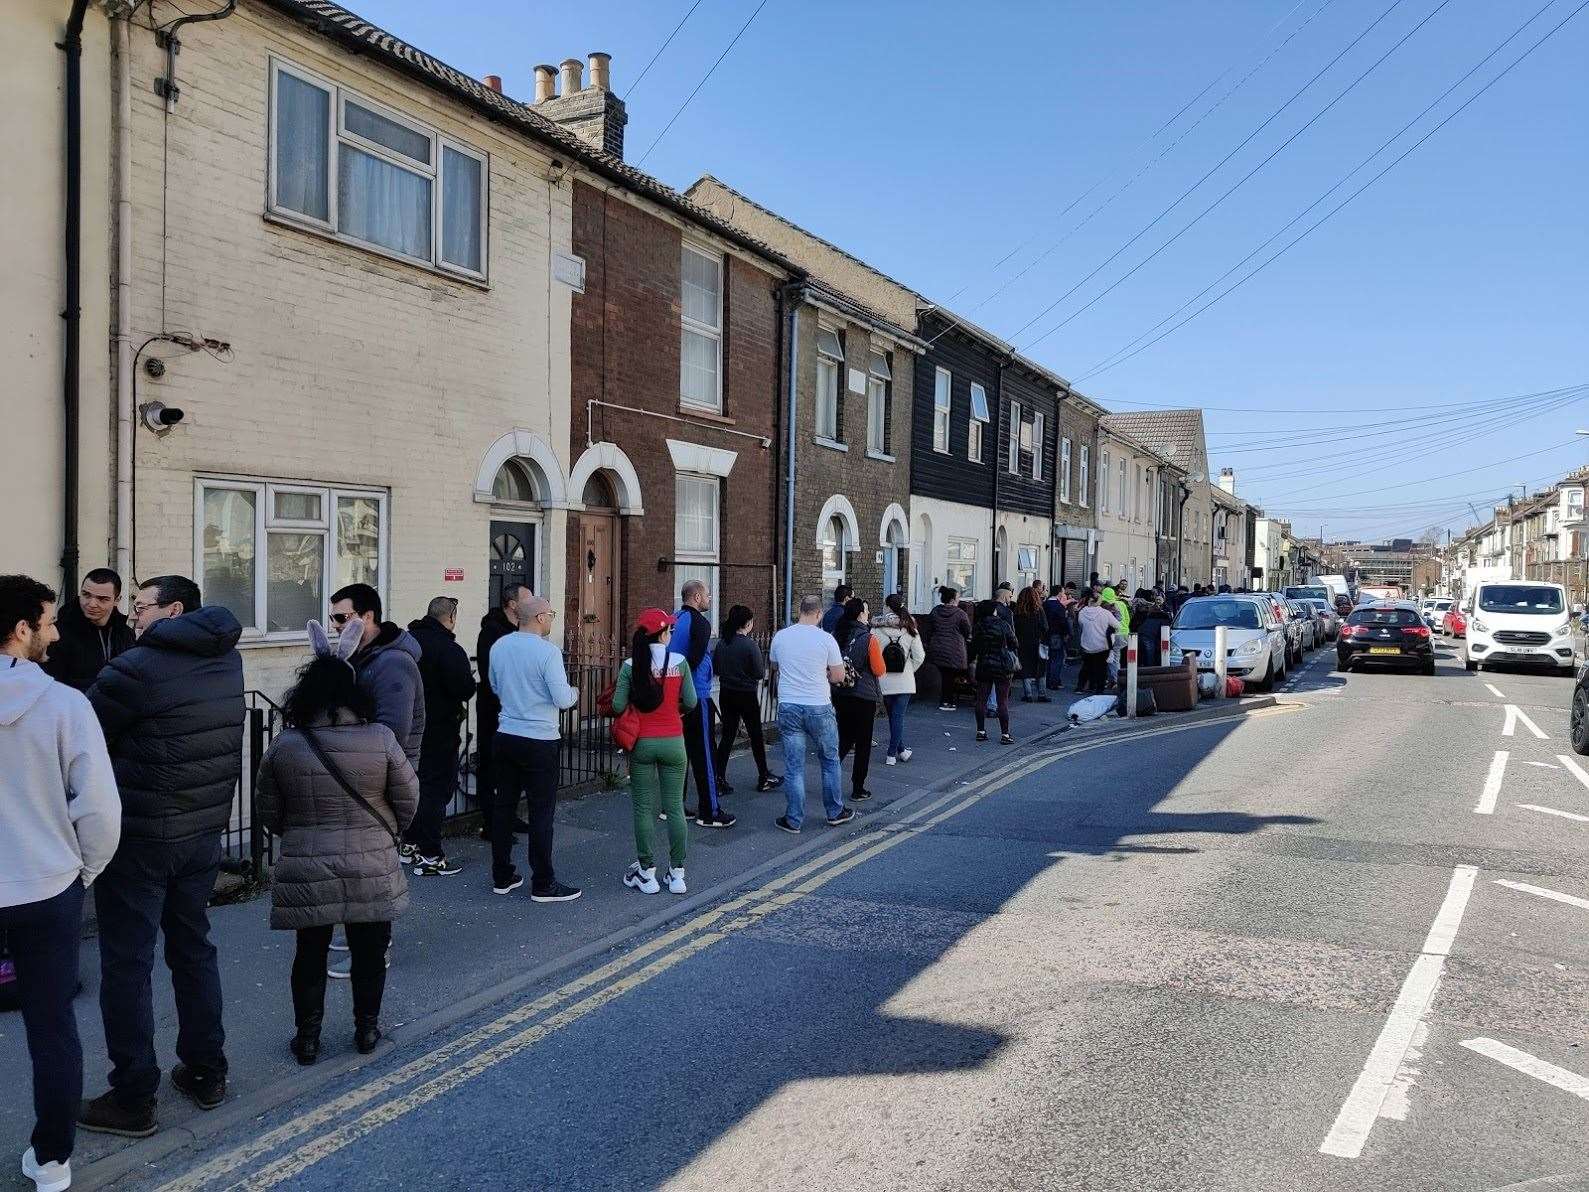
point(1206, 614)
point(1519, 598)
point(1383, 616)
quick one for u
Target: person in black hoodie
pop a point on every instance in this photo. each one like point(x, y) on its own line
point(93, 631)
point(172, 711)
point(448, 683)
point(494, 626)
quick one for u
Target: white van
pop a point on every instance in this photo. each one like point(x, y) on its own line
point(1522, 623)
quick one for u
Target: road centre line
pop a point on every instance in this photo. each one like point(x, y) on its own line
point(1541, 891)
point(770, 896)
point(1492, 783)
point(1572, 815)
point(1364, 1103)
point(1530, 1065)
point(1574, 767)
point(1515, 714)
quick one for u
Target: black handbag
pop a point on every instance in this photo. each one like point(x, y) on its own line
point(342, 781)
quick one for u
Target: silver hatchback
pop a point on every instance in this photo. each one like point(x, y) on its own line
point(1256, 646)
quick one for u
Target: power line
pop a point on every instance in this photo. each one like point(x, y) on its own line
point(1446, 476)
point(638, 78)
point(1339, 206)
point(1240, 182)
point(702, 83)
point(1109, 361)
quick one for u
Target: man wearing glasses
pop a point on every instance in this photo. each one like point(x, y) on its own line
point(387, 663)
point(527, 675)
point(93, 631)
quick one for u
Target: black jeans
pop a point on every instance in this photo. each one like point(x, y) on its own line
point(438, 780)
point(524, 768)
point(43, 938)
point(738, 706)
point(158, 887)
point(1094, 671)
point(949, 681)
point(1001, 689)
point(485, 786)
point(856, 716)
point(699, 740)
point(366, 947)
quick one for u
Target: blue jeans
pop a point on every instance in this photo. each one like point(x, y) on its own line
point(796, 724)
point(1056, 662)
point(896, 705)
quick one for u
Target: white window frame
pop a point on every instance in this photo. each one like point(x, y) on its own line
point(831, 578)
point(1084, 476)
point(1124, 482)
point(942, 409)
point(977, 427)
point(1064, 469)
point(1103, 483)
point(266, 523)
point(336, 133)
point(715, 334)
point(879, 403)
point(1013, 462)
point(829, 366)
point(954, 556)
point(1038, 428)
point(697, 558)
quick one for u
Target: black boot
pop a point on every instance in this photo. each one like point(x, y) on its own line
point(366, 1033)
point(305, 1045)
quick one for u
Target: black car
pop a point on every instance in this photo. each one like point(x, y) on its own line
point(1393, 634)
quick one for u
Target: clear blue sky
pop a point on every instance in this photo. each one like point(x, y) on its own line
point(933, 138)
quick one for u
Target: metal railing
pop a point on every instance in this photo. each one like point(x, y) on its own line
point(247, 848)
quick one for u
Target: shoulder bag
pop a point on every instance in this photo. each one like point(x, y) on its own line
point(332, 769)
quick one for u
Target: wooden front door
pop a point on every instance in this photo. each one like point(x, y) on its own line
point(598, 579)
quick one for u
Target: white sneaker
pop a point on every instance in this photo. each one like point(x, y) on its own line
point(644, 880)
point(889, 760)
point(904, 754)
point(675, 880)
point(47, 1177)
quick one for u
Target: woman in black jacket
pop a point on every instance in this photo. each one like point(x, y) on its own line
point(1031, 631)
point(740, 668)
point(993, 651)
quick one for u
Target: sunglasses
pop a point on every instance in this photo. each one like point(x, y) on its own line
point(340, 619)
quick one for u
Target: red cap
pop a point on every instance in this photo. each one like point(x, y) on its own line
point(654, 620)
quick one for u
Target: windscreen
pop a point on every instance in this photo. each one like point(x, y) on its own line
point(1520, 598)
point(1310, 592)
point(1206, 614)
point(1383, 616)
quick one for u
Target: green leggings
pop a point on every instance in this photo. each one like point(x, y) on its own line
point(656, 771)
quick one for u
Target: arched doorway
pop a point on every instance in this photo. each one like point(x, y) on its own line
point(513, 543)
point(597, 570)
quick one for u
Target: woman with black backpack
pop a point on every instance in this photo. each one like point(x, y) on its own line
point(993, 651)
point(903, 652)
point(855, 702)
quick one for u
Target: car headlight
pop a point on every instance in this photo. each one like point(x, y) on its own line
point(1248, 648)
point(1479, 625)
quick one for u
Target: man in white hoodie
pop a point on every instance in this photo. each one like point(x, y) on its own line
point(60, 820)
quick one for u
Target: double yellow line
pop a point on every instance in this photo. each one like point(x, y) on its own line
point(606, 984)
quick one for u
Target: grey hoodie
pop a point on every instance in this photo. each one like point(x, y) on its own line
point(60, 816)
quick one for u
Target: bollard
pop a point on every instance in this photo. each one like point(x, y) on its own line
point(1221, 635)
point(1131, 677)
point(1164, 645)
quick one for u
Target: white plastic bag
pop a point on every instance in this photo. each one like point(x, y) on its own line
point(1091, 707)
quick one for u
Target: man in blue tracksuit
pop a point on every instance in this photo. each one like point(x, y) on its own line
point(692, 637)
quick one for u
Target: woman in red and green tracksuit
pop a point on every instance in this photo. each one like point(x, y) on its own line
point(657, 683)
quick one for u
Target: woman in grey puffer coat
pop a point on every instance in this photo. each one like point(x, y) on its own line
point(338, 860)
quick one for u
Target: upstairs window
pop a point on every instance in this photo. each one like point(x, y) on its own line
point(942, 386)
point(1082, 488)
point(1033, 442)
point(979, 423)
point(701, 349)
point(1064, 470)
point(879, 404)
point(830, 373)
point(1013, 463)
point(374, 177)
point(1103, 484)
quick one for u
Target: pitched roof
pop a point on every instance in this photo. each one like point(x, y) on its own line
point(1177, 435)
point(354, 33)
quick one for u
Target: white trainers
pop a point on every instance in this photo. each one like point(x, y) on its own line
point(644, 880)
point(889, 760)
point(47, 1177)
point(904, 754)
point(675, 881)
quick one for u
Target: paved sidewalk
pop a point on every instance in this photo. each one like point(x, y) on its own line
point(458, 939)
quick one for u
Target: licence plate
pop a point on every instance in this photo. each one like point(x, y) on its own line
point(1384, 649)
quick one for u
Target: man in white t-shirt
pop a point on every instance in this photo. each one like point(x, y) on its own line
point(806, 661)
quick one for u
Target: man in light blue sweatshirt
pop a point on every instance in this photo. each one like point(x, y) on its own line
point(527, 675)
point(60, 822)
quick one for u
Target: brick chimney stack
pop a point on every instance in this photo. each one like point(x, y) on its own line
point(1227, 480)
point(592, 113)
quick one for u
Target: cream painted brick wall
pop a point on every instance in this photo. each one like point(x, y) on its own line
point(347, 367)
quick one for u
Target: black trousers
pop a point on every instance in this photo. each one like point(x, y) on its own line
point(949, 680)
point(485, 789)
point(44, 938)
point(742, 706)
point(1001, 689)
point(149, 888)
point(856, 717)
point(366, 948)
point(527, 769)
point(1094, 671)
point(438, 781)
point(699, 744)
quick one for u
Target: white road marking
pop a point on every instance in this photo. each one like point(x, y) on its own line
point(1530, 1065)
point(1515, 714)
point(1577, 770)
point(1492, 783)
point(1365, 1103)
point(1553, 895)
point(1542, 765)
point(1583, 819)
point(1496, 691)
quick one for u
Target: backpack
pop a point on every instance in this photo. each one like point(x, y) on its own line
point(894, 659)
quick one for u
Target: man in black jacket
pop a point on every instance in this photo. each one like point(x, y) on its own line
point(494, 626)
point(448, 683)
point(172, 711)
point(93, 631)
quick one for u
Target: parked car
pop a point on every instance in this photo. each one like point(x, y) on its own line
point(1325, 618)
point(1308, 592)
point(1308, 627)
point(1292, 621)
point(1455, 622)
point(1525, 624)
point(1255, 643)
point(1578, 718)
point(1388, 633)
point(1434, 611)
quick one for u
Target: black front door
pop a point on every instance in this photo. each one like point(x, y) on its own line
point(512, 557)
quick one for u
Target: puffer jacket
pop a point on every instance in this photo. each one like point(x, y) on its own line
point(172, 711)
point(991, 645)
point(388, 668)
point(948, 630)
point(337, 864)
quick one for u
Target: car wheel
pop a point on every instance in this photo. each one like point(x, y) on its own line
point(1429, 667)
point(1471, 665)
point(1580, 722)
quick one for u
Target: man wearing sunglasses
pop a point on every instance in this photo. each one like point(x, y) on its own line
point(387, 663)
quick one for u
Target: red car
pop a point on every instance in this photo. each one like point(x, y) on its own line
point(1455, 624)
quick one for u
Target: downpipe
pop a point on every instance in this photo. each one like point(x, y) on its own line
point(71, 379)
point(789, 462)
point(122, 194)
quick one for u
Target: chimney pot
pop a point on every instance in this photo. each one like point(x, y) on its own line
point(573, 76)
point(545, 82)
point(494, 82)
point(601, 70)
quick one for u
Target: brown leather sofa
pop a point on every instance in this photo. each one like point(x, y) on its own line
point(1174, 687)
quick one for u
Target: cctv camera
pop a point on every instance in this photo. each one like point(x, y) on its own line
point(159, 417)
